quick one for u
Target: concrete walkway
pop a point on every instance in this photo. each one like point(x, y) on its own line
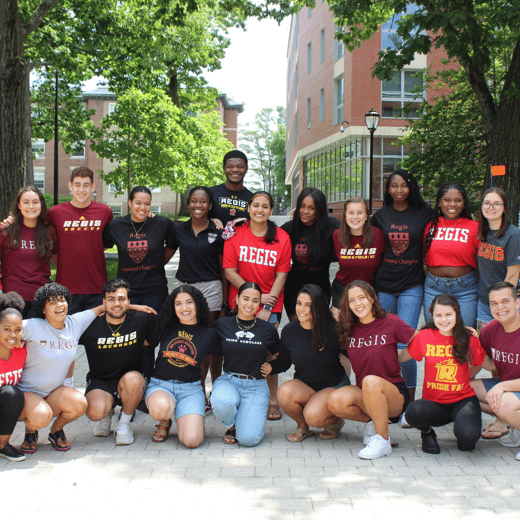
point(275, 480)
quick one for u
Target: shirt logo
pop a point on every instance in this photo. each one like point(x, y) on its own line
point(301, 253)
point(399, 242)
point(244, 334)
point(181, 352)
point(212, 237)
point(447, 371)
point(137, 250)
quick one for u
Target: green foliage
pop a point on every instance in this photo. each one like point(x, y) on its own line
point(49, 199)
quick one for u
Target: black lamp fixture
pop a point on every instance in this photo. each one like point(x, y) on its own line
point(371, 120)
point(342, 128)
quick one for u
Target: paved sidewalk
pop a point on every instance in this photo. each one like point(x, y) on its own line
point(276, 480)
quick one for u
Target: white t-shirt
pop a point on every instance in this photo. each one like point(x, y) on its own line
point(50, 352)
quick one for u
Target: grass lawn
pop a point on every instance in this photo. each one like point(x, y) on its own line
point(111, 269)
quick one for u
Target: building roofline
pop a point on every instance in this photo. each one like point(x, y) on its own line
point(228, 105)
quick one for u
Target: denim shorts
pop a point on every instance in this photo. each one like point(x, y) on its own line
point(490, 382)
point(189, 397)
point(483, 312)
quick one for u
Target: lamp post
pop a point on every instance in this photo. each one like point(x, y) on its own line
point(371, 120)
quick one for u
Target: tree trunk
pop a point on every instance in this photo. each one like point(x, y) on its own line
point(29, 172)
point(504, 140)
point(13, 94)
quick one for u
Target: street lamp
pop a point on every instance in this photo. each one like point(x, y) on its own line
point(342, 128)
point(371, 120)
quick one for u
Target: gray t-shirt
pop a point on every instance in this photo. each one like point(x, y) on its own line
point(495, 255)
point(50, 351)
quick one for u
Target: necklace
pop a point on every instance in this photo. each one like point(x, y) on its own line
point(142, 225)
point(245, 328)
point(114, 332)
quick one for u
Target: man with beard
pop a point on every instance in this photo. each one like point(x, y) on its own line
point(118, 347)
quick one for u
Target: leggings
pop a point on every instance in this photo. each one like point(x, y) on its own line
point(465, 415)
point(11, 404)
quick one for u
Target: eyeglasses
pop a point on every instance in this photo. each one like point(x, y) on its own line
point(495, 205)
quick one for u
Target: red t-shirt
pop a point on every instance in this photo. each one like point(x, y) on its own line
point(257, 261)
point(503, 348)
point(11, 370)
point(357, 263)
point(22, 270)
point(372, 348)
point(455, 243)
point(445, 380)
point(81, 258)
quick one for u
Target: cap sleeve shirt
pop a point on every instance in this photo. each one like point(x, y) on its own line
point(503, 348)
point(320, 370)
point(110, 354)
point(141, 254)
point(199, 254)
point(245, 351)
point(50, 351)
point(182, 352)
point(495, 255)
point(455, 243)
point(11, 369)
point(402, 264)
point(257, 261)
point(445, 379)
point(22, 270)
point(356, 262)
point(372, 348)
point(228, 204)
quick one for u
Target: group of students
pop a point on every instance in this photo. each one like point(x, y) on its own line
point(237, 271)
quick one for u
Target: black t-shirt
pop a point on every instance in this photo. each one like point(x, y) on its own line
point(199, 255)
point(300, 256)
point(228, 204)
point(182, 352)
point(320, 370)
point(245, 351)
point(111, 355)
point(141, 257)
point(402, 264)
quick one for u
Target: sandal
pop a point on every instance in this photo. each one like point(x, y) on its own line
point(230, 437)
point(332, 431)
point(57, 436)
point(491, 433)
point(31, 438)
point(161, 431)
point(274, 413)
point(299, 434)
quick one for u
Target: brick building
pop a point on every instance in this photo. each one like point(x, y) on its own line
point(327, 86)
point(164, 200)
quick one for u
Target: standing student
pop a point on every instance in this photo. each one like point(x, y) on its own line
point(80, 260)
point(449, 351)
point(311, 232)
point(26, 244)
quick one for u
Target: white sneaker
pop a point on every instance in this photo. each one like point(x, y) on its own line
point(102, 428)
point(377, 447)
point(370, 431)
point(512, 439)
point(517, 456)
point(124, 435)
point(403, 423)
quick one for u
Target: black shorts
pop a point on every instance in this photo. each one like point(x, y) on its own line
point(84, 302)
point(109, 386)
point(337, 293)
point(403, 390)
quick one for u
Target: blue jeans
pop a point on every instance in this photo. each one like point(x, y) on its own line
point(407, 305)
point(484, 312)
point(243, 403)
point(464, 289)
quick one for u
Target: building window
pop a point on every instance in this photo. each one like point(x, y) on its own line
point(111, 107)
point(117, 209)
point(38, 148)
point(339, 48)
point(155, 190)
point(39, 179)
point(309, 58)
point(400, 96)
point(389, 37)
point(338, 100)
point(78, 150)
point(308, 112)
point(322, 104)
point(155, 208)
point(309, 12)
point(322, 45)
point(296, 188)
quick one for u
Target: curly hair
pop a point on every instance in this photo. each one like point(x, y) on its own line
point(483, 224)
point(461, 335)
point(49, 292)
point(167, 319)
point(82, 172)
point(11, 303)
point(438, 211)
point(414, 199)
point(320, 313)
point(344, 230)
point(272, 229)
point(347, 319)
point(43, 241)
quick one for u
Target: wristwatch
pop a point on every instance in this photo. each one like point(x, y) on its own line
point(268, 308)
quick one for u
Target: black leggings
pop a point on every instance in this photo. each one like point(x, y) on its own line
point(465, 415)
point(11, 404)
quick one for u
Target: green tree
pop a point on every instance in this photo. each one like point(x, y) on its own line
point(264, 144)
point(472, 32)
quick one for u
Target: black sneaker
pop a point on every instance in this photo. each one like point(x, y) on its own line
point(11, 453)
point(429, 442)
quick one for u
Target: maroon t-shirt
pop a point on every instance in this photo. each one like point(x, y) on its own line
point(372, 348)
point(81, 258)
point(503, 348)
point(22, 270)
